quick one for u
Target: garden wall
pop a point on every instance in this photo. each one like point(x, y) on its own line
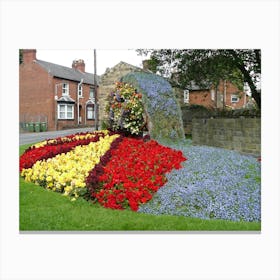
point(242, 134)
point(190, 112)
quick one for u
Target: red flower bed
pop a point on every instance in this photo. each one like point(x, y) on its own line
point(33, 154)
point(132, 173)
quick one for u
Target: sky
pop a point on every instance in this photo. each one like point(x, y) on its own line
point(104, 58)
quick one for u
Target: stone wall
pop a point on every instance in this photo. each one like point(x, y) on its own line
point(240, 134)
point(190, 112)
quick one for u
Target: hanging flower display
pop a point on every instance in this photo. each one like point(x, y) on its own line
point(126, 111)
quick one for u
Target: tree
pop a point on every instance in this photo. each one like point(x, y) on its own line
point(20, 56)
point(204, 66)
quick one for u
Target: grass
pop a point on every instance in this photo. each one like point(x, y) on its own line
point(43, 210)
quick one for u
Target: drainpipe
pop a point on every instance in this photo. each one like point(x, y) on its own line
point(85, 114)
point(96, 109)
point(217, 96)
point(78, 101)
point(225, 93)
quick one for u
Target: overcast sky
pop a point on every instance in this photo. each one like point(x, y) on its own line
point(104, 58)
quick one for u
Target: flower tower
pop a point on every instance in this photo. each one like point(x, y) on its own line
point(146, 102)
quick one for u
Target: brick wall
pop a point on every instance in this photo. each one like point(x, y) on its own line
point(35, 85)
point(232, 90)
point(240, 134)
point(73, 87)
point(37, 92)
point(203, 97)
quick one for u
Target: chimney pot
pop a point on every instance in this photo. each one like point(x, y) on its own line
point(79, 64)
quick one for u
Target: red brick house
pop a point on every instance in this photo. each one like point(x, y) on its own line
point(61, 96)
point(226, 95)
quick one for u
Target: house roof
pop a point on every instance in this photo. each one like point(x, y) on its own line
point(67, 73)
point(194, 86)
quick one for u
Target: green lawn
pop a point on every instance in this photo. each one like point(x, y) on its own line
point(43, 210)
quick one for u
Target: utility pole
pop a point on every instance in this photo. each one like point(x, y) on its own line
point(95, 94)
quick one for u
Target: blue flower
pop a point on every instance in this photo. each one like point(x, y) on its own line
point(214, 183)
point(161, 104)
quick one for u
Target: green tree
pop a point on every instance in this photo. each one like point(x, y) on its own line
point(20, 56)
point(204, 66)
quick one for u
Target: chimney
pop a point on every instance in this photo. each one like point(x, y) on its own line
point(79, 64)
point(28, 55)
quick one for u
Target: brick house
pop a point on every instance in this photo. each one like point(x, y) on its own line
point(61, 96)
point(226, 95)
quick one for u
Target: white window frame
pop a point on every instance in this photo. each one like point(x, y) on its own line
point(91, 97)
point(80, 90)
point(66, 106)
point(234, 98)
point(65, 89)
point(186, 96)
point(212, 92)
point(93, 111)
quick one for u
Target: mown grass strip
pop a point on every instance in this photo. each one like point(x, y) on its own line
point(43, 210)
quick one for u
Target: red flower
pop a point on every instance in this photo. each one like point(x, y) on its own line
point(31, 155)
point(135, 170)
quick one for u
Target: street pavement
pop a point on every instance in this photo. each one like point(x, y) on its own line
point(34, 137)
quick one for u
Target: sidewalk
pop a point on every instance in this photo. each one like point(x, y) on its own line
point(29, 138)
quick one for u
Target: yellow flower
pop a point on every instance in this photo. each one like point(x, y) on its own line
point(67, 172)
point(49, 178)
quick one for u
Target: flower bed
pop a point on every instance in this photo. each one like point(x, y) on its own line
point(119, 172)
point(66, 172)
point(50, 148)
point(69, 138)
point(133, 173)
point(214, 184)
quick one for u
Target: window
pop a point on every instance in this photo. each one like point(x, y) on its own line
point(91, 93)
point(234, 98)
point(186, 96)
point(65, 89)
point(90, 112)
point(65, 111)
point(80, 91)
point(212, 91)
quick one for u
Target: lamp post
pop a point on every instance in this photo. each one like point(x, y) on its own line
point(95, 93)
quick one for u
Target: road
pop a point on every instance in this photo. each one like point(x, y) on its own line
point(29, 138)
